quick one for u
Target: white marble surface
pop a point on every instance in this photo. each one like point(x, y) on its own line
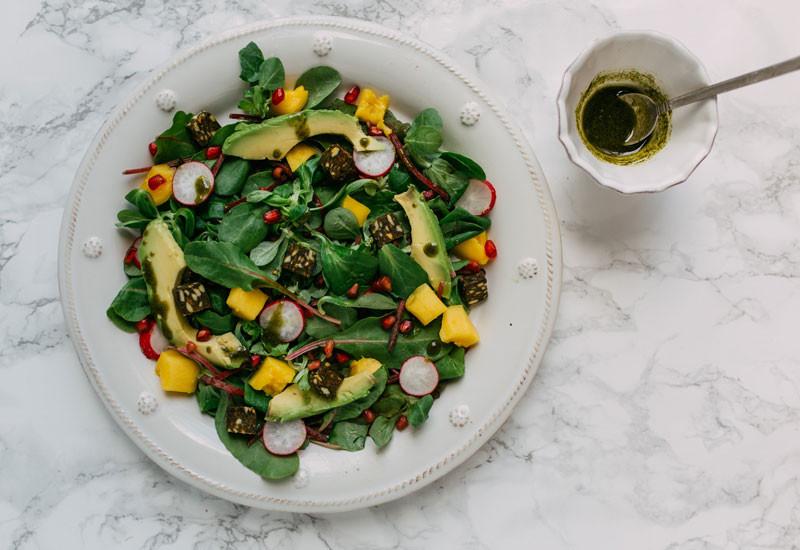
point(667, 411)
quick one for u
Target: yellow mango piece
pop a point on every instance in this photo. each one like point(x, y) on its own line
point(177, 373)
point(246, 304)
point(372, 108)
point(360, 211)
point(273, 376)
point(293, 101)
point(457, 328)
point(300, 153)
point(424, 304)
point(365, 364)
point(473, 249)
point(163, 192)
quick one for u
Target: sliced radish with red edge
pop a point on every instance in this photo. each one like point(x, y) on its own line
point(153, 342)
point(418, 376)
point(283, 319)
point(193, 183)
point(374, 164)
point(283, 438)
point(478, 198)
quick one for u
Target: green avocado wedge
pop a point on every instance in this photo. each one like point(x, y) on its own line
point(293, 403)
point(273, 138)
point(162, 264)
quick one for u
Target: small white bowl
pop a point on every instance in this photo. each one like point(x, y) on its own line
point(676, 71)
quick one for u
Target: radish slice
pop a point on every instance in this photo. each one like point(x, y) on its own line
point(283, 320)
point(418, 376)
point(374, 164)
point(283, 438)
point(193, 183)
point(478, 198)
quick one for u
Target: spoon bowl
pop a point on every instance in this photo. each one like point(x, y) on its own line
point(646, 111)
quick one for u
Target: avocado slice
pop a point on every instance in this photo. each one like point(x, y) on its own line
point(427, 242)
point(275, 137)
point(293, 403)
point(162, 265)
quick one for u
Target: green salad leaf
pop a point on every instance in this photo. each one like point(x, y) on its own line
point(349, 435)
point(418, 411)
point(320, 82)
point(354, 409)
point(131, 303)
point(451, 365)
point(405, 273)
point(231, 177)
point(175, 142)
point(207, 398)
point(341, 224)
point(464, 164)
point(445, 176)
point(243, 226)
point(271, 74)
point(342, 267)
point(424, 137)
point(250, 59)
point(255, 457)
point(459, 225)
point(382, 429)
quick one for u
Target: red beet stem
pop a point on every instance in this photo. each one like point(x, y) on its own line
point(217, 164)
point(401, 307)
point(234, 204)
point(224, 386)
point(131, 171)
point(243, 116)
point(401, 152)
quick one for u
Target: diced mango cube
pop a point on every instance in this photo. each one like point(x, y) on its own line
point(246, 304)
point(424, 304)
point(163, 191)
point(473, 249)
point(365, 364)
point(293, 101)
point(300, 153)
point(372, 108)
point(457, 328)
point(273, 376)
point(177, 373)
point(360, 211)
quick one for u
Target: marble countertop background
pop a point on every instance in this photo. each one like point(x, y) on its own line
point(666, 413)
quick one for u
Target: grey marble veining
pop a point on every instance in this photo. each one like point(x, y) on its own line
point(666, 414)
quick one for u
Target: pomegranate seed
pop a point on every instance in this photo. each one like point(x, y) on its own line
point(153, 148)
point(280, 173)
point(315, 364)
point(144, 325)
point(146, 347)
point(255, 360)
point(406, 326)
point(341, 357)
point(402, 423)
point(388, 322)
point(352, 292)
point(132, 257)
point(352, 95)
point(191, 347)
point(213, 152)
point(490, 248)
point(472, 267)
point(319, 281)
point(272, 216)
point(278, 95)
point(369, 416)
point(440, 289)
point(428, 194)
point(328, 349)
point(155, 182)
point(357, 240)
point(375, 131)
point(383, 284)
point(203, 335)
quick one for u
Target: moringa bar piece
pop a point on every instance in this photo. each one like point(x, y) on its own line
point(386, 229)
point(191, 297)
point(242, 420)
point(300, 260)
point(202, 127)
point(325, 381)
point(338, 164)
point(474, 288)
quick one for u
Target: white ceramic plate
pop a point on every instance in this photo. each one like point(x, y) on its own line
point(514, 324)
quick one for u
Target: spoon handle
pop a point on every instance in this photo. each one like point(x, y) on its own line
point(746, 79)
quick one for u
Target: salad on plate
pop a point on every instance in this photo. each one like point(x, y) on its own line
point(306, 271)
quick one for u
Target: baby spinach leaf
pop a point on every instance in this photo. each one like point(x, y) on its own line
point(244, 226)
point(349, 435)
point(254, 101)
point(271, 74)
point(354, 409)
point(131, 219)
point(256, 398)
point(451, 365)
point(231, 177)
point(445, 176)
point(223, 263)
point(392, 402)
point(250, 59)
point(341, 224)
point(418, 411)
point(337, 104)
point(459, 225)
point(397, 126)
point(464, 164)
point(207, 398)
point(176, 142)
point(131, 302)
point(424, 137)
point(255, 457)
point(375, 301)
point(119, 322)
point(222, 134)
point(381, 430)
point(143, 202)
point(266, 251)
point(320, 82)
point(398, 179)
point(405, 273)
point(258, 180)
point(319, 328)
point(216, 323)
point(342, 266)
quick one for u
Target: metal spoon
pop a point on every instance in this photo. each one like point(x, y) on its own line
point(647, 110)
